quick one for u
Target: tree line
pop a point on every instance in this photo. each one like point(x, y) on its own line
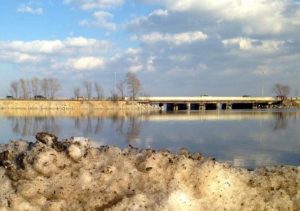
point(36, 88)
point(49, 87)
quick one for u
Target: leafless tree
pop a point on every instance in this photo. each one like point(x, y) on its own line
point(45, 87)
point(88, 86)
point(282, 91)
point(133, 84)
point(14, 89)
point(98, 90)
point(29, 88)
point(54, 87)
point(121, 85)
point(24, 91)
point(114, 95)
point(35, 86)
point(76, 92)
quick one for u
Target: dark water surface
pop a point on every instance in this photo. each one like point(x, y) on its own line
point(248, 138)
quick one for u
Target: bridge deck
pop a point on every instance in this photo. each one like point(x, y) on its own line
point(207, 99)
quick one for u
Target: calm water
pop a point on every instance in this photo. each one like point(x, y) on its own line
point(243, 138)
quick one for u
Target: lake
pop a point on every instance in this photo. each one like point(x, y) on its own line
point(244, 138)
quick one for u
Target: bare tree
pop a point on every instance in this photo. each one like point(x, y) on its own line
point(35, 86)
point(121, 85)
point(29, 88)
point(14, 89)
point(45, 87)
point(98, 90)
point(24, 93)
point(76, 92)
point(88, 86)
point(133, 84)
point(54, 87)
point(114, 95)
point(282, 91)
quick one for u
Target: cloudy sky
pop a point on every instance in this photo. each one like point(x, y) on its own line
point(176, 47)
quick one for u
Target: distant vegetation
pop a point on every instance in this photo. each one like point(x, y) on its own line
point(48, 88)
point(282, 91)
point(34, 88)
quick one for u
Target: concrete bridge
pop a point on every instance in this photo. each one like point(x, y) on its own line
point(210, 102)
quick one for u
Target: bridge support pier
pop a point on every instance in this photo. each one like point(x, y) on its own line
point(202, 107)
point(210, 103)
point(228, 106)
point(188, 106)
point(175, 108)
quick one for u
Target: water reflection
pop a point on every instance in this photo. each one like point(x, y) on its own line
point(133, 131)
point(281, 120)
point(29, 126)
point(88, 125)
point(243, 138)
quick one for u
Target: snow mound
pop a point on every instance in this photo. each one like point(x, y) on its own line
point(72, 175)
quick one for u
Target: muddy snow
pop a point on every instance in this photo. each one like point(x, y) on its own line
point(73, 175)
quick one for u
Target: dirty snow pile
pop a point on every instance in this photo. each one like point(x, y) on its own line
point(72, 175)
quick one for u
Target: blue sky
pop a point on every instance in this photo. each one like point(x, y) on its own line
point(176, 47)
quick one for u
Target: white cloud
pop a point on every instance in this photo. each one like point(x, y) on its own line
point(135, 68)
point(25, 58)
point(86, 63)
point(159, 12)
point(74, 53)
point(29, 9)
point(259, 16)
point(18, 57)
point(150, 64)
point(138, 21)
point(81, 42)
point(37, 46)
point(133, 51)
point(101, 19)
point(177, 39)
point(253, 45)
point(53, 46)
point(95, 4)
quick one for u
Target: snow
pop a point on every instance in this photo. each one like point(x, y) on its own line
point(73, 175)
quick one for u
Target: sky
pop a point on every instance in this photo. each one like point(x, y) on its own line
point(175, 47)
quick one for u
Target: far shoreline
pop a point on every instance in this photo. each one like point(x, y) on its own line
point(73, 104)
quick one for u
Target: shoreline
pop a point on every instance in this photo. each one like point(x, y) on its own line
point(73, 175)
point(92, 105)
point(65, 105)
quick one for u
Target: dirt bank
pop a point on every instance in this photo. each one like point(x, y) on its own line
point(73, 175)
point(72, 105)
point(294, 103)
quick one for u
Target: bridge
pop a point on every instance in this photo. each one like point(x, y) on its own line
point(210, 102)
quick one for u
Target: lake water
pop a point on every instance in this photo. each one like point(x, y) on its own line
point(246, 138)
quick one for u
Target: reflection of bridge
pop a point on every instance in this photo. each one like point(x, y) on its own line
point(210, 103)
point(209, 116)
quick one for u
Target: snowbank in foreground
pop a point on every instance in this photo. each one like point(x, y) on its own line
point(72, 175)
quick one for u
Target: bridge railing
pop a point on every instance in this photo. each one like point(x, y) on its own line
point(206, 99)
